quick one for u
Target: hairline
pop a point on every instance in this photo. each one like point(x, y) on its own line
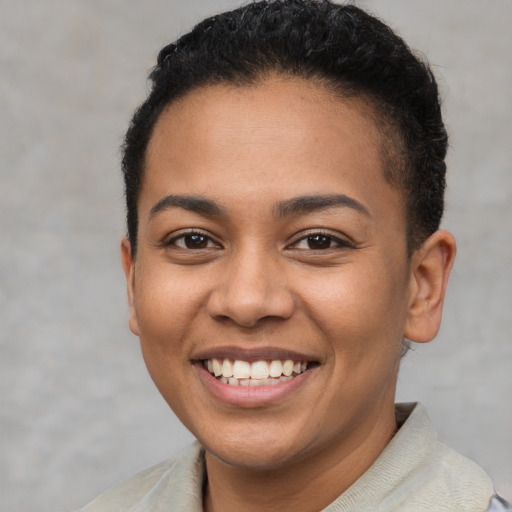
point(389, 137)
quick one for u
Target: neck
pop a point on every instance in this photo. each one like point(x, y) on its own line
point(308, 484)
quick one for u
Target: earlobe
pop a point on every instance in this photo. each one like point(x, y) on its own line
point(430, 269)
point(129, 272)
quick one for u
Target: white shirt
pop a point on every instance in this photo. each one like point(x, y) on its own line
point(414, 473)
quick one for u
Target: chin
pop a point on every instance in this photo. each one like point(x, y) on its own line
point(261, 450)
point(254, 457)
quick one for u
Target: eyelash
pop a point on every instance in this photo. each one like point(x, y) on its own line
point(333, 241)
point(189, 234)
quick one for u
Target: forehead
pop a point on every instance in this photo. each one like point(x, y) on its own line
point(279, 134)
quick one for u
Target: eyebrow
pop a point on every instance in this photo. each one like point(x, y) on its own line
point(195, 204)
point(294, 206)
point(313, 203)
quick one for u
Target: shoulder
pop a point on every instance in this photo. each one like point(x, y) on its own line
point(157, 484)
point(125, 494)
point(417, 472)
point(447, 477)
point(456, 481)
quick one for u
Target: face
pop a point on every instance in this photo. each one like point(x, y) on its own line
point(271, 285)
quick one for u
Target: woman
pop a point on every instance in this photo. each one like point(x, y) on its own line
point(284, 184)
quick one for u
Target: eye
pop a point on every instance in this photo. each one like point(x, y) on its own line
point(319, 242)
point(192, 240)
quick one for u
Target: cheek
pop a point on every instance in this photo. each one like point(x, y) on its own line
point(358, 307)
point(167, 303)
point(168, 306)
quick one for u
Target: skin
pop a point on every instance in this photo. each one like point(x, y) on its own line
point(256, 282)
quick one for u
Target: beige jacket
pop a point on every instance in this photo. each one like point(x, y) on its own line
point(415, 473)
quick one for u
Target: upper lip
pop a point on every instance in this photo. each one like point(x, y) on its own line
point(252, 354)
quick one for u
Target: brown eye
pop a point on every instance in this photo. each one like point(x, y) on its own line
point(192, 241)
point(195, 241)
point(319, 241)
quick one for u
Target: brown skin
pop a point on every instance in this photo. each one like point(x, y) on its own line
point(257, 283)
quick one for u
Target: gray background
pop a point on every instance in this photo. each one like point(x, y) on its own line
point(78, 411)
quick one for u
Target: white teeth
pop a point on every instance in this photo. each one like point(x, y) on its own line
point(276, 369)
point(216, 367)
point(260, 370)
point(288, 367)
point(264, 382)
point(260, 382)
point(259, 373)
point(227, 368)
point(241, 369)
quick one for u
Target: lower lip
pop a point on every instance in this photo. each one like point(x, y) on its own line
point(251, 396)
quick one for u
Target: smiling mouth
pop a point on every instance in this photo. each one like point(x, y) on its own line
point(258, 373)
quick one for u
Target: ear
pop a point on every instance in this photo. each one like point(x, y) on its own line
point(129, 272)
point(430, 269)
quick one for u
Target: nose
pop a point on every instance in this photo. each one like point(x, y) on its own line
point(253, 288)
